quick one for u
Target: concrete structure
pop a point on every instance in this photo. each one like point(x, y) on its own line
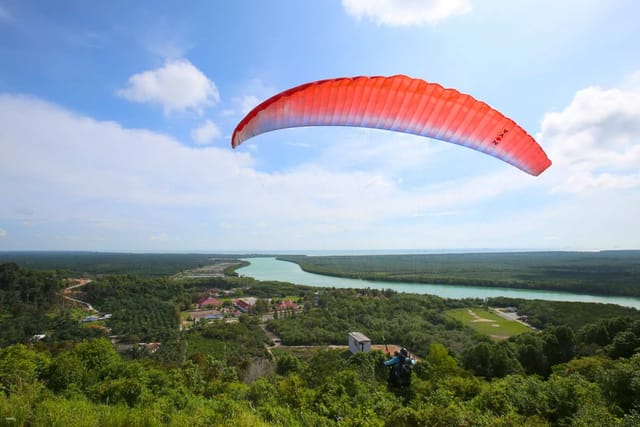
point(205, 315)
point(359, 343)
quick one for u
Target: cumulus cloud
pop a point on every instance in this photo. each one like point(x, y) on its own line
point(2, 233)
point(177, 86)
point(78, 158)
point(206, 133)
point(114, 187)
point(406, 12)
point(595, 141)
point(95, 185)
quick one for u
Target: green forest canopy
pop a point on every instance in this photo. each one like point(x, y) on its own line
point(583, 368)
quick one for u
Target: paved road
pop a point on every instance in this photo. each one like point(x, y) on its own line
point(69, 289)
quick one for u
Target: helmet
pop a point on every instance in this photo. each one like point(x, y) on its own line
point(404, 352)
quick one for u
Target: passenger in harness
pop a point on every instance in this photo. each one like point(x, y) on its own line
point(401, 365)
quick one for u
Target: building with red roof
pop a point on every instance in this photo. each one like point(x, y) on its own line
point(287, 305)
point(241, 305)
point(208, 301)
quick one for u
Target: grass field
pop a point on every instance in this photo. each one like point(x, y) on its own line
point(487, 322)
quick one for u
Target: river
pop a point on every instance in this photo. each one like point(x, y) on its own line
point(269, 268)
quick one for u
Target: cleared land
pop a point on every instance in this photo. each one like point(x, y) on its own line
point(215, 268)
point(488, 322)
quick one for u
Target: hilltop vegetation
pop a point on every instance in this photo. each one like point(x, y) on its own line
point(222, 374)
point(598, 273)
point(31, 302)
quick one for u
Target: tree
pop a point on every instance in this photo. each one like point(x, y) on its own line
point(439, 363)
point(67, 369)
point(491, 360)
point(620, 383)
point(625, 344)
point(595, 333)
point(97, 354)
point(559, 344)
point(261, 306)
point(529, 348)
point(287, 363)
point(20, 365)
point(478, 360)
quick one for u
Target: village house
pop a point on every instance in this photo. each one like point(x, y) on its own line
point(287, 305)
point(250, 300)
point(244, 304)
point(241, 305)
point(208, 301)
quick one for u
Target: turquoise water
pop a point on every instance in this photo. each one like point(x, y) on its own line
point(273, 269)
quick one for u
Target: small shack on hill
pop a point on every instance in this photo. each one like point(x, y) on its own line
point(359, 343)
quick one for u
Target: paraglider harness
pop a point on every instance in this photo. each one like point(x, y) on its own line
point(400, 372)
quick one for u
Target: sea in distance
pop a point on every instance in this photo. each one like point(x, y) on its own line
point(270, 268)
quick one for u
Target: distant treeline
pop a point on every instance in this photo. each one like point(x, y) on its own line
point(598, 273)
point(100, 263)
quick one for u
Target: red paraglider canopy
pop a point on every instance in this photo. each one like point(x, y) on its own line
point(401, 104)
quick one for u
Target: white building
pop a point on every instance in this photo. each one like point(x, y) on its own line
point(359, 343)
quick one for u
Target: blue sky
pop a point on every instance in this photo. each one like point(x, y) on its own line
point(116, 117)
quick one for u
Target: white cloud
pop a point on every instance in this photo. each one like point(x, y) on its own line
point(176, 86)
point(2, 233)
point(206, 133)
point(78, 158)
point(112, 188)
point(87, 184)
point(594, 142)
point(406, 12)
